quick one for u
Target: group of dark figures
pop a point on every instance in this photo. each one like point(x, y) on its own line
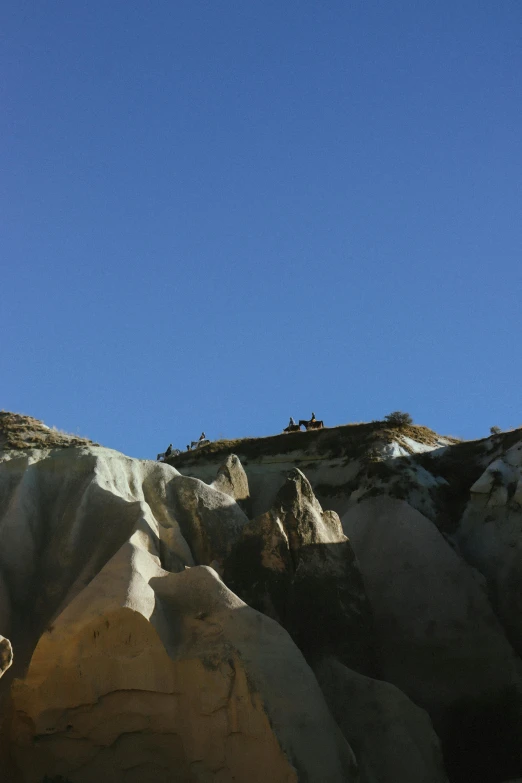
point(310, 424)
point(195, 444)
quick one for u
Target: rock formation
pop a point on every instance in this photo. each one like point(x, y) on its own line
point(6, 655)
point(490, 536)
point(207, 621)
point(295, 564)
point(154, 675)
point(437, 635)
point(392, 738)
point(438, 638)
point(232, 480)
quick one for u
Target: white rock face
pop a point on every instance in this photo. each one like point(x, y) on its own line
point(438, 637)
point(421, 448)
point(232, 480)
point(392, 738)
point(490, 536)
point(266, 473)
point(147, 668)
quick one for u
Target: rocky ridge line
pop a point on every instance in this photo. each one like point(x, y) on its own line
point(230, 629)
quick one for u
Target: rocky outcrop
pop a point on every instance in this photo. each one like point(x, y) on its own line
point(334, 460)
point(426, 599)
point(64, 514)
point(154, 631)
point(490, 536)
point(24, 432)
point(143, 665)
point(232, 480)
point(295, 564)
point(438, 638)
point(149, 673)
point(375, 715)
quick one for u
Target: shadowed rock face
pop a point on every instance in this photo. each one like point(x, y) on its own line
point(490, 536)
point(175, 675)
point(153, 631)
point(438, 637)
point(211, 521)
point(295, 564)
point(374, 714)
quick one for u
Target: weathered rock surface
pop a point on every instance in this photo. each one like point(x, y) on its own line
point(232, 480)
point(438, 638)
point(333, 459)
point(146, 667)
point(64, 513)
point(295, 564)
point(392, 738)
point(126, 658)
point(490, 536)
point(210, 520)
point(148, 675)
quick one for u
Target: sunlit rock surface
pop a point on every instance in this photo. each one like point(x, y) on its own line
point(342, 605)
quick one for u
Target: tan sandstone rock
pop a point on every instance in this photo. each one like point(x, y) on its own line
point(64, 513)
point(152, 676)
point(146, 668)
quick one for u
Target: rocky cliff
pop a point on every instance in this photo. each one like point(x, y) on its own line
point(333, 606)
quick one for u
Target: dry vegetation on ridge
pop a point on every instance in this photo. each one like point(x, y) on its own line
point(24, 432)
point(350, 441)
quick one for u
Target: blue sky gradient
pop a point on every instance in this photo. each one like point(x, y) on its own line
point(218, 215)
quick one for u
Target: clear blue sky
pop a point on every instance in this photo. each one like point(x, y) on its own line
point(215, 215)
